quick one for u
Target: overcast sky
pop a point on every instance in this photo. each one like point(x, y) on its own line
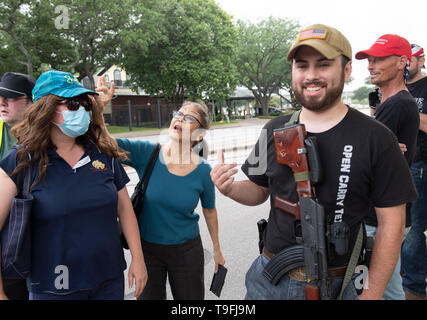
point(361, 21)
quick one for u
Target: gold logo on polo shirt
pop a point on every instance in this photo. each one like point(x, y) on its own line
point(98, 165)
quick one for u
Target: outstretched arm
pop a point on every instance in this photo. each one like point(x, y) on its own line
point(7, 192)
point(129, 224)
point(211, 218)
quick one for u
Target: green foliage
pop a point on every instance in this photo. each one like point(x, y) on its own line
point(192, 54)
point(361, 94)
point(274, 102)
point(95, 33)
point(87, 38)
point(262, 51)
point(28, 35)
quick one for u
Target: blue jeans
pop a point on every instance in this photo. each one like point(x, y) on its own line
point(259, 287)
point(113, 289)
point(394, 289)
point(414, 250)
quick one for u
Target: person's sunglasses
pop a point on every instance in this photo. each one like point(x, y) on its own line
point(187, 118)
point(74, 104)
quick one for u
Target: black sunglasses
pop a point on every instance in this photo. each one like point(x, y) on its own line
point(74, 104)
point(187, 118)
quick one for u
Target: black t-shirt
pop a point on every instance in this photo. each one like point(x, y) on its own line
point(361, 160)
point(400, 114)
point(419, 91)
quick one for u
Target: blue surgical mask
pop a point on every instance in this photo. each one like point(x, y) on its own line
point(76, 123)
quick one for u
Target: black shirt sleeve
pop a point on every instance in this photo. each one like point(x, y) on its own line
point(392, 182)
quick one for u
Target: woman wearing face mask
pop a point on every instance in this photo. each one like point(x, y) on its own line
point(79, 190)
point(168, 223)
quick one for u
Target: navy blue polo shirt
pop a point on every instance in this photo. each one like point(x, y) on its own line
point(75, 239)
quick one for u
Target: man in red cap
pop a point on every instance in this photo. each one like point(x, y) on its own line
point(414, 251)
point(389, 59)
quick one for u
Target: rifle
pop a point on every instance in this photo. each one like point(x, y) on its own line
point(295, 150)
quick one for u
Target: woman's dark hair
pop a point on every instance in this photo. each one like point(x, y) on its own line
point(33, 134)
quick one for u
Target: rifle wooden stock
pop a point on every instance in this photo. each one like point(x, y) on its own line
point(288, 207)
point(312, 292)
point(290, 151)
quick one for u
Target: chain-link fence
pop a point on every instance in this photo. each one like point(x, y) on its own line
point(149, 115)
point(158, 114)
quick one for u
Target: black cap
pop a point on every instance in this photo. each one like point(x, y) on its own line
point(13, 85)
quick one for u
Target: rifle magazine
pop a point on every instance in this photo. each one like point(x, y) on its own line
point(283, 262)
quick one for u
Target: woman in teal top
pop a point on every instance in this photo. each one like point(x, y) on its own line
point(168, 223)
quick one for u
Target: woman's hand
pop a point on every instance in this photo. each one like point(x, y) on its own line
point(403, 147)
point(218, 258)
point(105, 94)
point(137, 275)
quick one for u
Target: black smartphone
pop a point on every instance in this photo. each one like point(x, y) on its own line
point(218, 280)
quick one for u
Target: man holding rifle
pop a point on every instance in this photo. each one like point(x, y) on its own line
point(358, 159)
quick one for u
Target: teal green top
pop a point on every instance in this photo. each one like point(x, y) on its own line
point(169, 216)
point(7, 141)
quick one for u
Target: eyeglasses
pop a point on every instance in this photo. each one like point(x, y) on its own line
point(187, 118)
point(74, 104)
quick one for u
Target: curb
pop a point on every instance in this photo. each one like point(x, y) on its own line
point(241, 123)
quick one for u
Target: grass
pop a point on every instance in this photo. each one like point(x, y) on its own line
point(222, 123)
point(125, 129)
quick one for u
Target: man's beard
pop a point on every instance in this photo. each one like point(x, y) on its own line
point(413, 71)
point(312, 103)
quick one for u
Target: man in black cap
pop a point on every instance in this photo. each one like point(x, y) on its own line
point(15, 97)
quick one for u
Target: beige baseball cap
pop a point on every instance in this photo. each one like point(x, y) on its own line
point(327, 40)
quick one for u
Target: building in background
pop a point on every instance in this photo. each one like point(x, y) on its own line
point(144, 110)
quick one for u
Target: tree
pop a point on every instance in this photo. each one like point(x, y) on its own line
point(78, 36)
point(7, 63)
point(28, 35)
point(95, 33)
point(192, 56)
point(361, 94)
point(262, 51)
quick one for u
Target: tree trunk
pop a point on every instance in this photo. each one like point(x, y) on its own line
point(9, 30)
point(263, 101)
point(29, 62)
point(92, 81)
point(178, 97)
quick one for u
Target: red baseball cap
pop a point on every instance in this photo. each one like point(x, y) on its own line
point(387, 45)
